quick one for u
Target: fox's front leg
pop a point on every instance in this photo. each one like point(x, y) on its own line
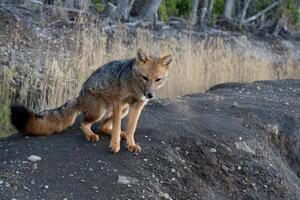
point(133, 117)
point(116, 132)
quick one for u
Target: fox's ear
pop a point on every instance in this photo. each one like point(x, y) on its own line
point(142, 56)
point(166, 60)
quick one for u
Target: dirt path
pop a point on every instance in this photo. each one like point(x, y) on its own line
point(237, 141)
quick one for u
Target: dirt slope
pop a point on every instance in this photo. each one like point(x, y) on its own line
point(237, 141)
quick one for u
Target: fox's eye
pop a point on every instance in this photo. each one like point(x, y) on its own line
point(145, 78)
point(157, 80)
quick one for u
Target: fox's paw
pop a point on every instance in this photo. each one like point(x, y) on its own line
point(114, 146)
point(135, 148)
point(92, 138)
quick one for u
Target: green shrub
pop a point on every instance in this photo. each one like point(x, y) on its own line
point(5, 126)
point(99, 5)
point(177, 8)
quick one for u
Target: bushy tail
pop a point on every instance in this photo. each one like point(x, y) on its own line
point(46, 122)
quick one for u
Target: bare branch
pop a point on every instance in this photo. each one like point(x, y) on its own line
point(244, 11)
point(130, 5)
point(254, 17)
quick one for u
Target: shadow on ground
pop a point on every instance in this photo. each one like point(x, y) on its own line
point(237, 141)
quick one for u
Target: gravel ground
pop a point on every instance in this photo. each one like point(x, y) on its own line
point(237, 141)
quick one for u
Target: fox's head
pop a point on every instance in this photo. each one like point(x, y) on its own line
point(152, 72)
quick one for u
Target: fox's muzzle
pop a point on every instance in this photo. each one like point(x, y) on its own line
point(149, 92)
point(149, 95)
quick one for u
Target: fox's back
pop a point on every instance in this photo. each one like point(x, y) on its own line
point(108, 76)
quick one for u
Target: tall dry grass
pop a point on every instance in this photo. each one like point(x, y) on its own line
point(197, 66)
point(6, 94)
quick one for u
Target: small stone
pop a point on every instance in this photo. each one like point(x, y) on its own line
point(213, 150)
point(35, 166)
point(273, 128)
point(224, 168)
point(145, 159)
point(123, 179)
point(1, 182)
point(173, 170)
point(26, 188)
point(243, 146)
point(126, 180)
point(32, 182)
point(46, 187)
point(239, 167)
point(177, 148)
point(34, 158)
point(95, 187)
point(164, 195)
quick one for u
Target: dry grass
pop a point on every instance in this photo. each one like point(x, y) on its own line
point(197, 66)
point(6, 94)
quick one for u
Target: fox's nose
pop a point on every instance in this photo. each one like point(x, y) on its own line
point(149, 95)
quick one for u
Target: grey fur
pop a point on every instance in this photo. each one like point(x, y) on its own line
point(118, 75)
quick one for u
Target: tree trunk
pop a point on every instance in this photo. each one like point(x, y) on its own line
point(203, 13)
point(123, 9)
point(210, 11)
point(150, 10)
point(195, 11)
point(228, 9)
point(281, 24)
point(238, 8)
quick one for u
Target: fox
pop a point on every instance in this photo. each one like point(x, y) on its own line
point(116, 89)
